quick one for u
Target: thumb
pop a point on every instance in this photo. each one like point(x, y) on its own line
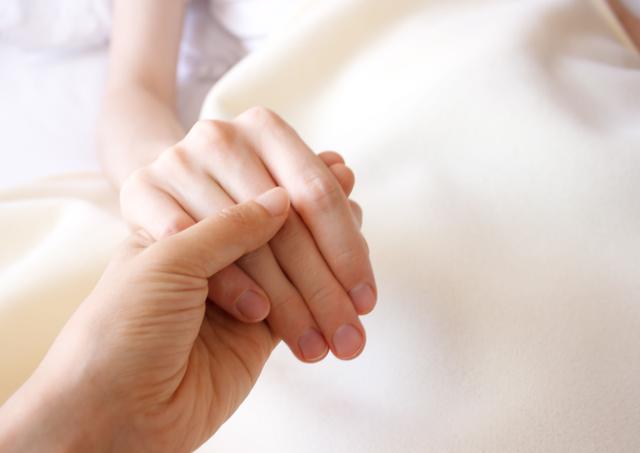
point(217, 241)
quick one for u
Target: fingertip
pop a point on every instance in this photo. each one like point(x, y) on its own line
point(348, 342)
point(364, 298)
point(254, 307)
point(275, 201)
point(331, 157)
point(312, 346)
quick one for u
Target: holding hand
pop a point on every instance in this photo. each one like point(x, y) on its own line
point(145, 364)
point(315, 278)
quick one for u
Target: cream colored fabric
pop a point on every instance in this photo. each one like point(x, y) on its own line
point(497, 150)
point(57, 236)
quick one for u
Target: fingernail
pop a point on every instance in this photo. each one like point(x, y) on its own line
point(252, 306)
point(312, 345)
point(347, 341)
point(275, 201)
point(363, 298)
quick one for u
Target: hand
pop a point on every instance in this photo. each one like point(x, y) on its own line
point(316, 272)
point(628, 19)
point(145, 364)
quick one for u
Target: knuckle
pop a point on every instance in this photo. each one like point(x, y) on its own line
point(321, 193)
point(280, 306)
point(259, 112)
point(214, 136)
point(323, 298)
point(241, 220)
point(174, 157)
point(262, 117)
point(347, 259)
point(213, 132)
point(136, 179)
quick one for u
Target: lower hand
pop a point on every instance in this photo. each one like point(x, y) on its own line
point(145, 363)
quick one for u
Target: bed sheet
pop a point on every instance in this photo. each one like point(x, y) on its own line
point(497, 150)
point(48, 111)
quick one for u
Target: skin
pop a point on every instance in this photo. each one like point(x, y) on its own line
point(146, 359)
point(629, 21)
point(314, 279)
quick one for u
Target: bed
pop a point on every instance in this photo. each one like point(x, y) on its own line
point(496, 145)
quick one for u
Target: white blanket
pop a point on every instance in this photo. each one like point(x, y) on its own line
point(497, 150)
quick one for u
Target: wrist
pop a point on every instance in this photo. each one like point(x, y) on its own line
point(45, 415)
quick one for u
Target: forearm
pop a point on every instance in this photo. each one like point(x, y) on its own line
point(134, 127)
point(628, 16)
point(53, 418)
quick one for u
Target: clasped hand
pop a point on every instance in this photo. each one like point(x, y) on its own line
point(172, 338)
point(314, 278)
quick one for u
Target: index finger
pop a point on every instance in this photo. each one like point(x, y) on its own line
point(317, 197)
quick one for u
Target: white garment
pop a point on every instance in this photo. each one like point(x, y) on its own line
point(54, 56)
point(251, 20)
point(73, 24)
point(61, 24)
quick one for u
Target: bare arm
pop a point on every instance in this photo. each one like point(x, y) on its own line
point(139, 118)
point(317, 278)
point(629, 20)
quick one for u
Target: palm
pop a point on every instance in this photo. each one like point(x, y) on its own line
point(227, 358)
point(222, 367)
point(183, 363)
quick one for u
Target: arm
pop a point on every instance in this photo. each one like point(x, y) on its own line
point(168, 181)
point(158, 369)
point(628, 19)
point(139, 118)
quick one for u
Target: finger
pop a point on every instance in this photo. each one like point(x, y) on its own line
point(317, 196)
point(331, 157)
point(200, 196)
point(289, 317)
point(356, 210)
point(146, 206)
point(236, 293)
point(344, 176)
point(241, 174)
point(325, 297)
point(217, 241)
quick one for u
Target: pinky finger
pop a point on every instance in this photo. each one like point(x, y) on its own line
point(356, 210)
point(345, 177)
point(331, 157)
